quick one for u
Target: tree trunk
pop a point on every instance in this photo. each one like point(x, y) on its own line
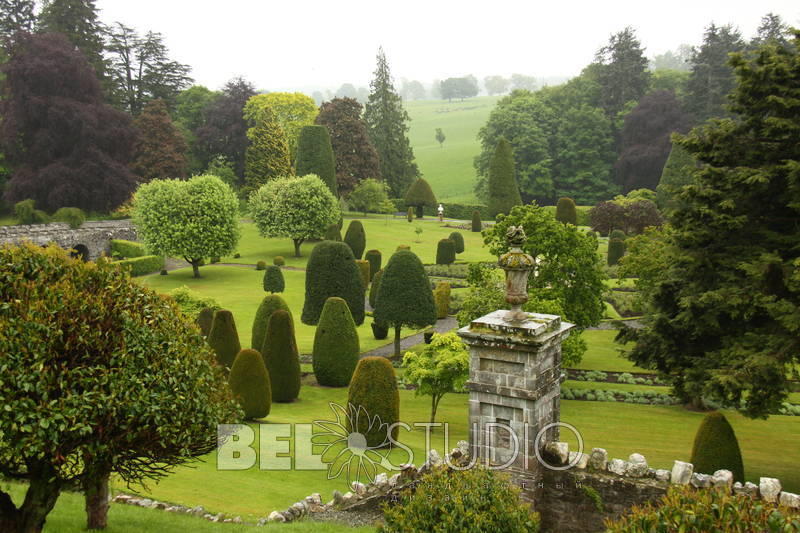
point(397, 340)
point(97, 501)
point(434, 405)
point(41, 497)
point(297, 243)
point(195, 265)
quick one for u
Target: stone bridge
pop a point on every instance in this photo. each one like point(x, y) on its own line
point(89, 241)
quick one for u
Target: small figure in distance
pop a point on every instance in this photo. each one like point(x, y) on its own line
point(441, 213)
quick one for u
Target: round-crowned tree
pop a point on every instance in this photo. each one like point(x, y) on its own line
point(404, 297)
point(268, 305)
point(273, 279)
point(223, 337)
point(566, 212)
point(281, 358)
point(420, 195)
point(373, 389)
point(716, 447)
point(477, 225)
point(356, 238)
point(336, 346)
point(332, 271)
point(250, 384)
point(315, 156)
point(374, 257)
point(204, 320)
point(147, 363)
point(458, 239)
point(445, 252)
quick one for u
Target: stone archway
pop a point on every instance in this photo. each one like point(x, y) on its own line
point(80, 251)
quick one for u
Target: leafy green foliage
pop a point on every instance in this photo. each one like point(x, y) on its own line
point(458, 239)
point(617, 234)
point(677, 173)
point(333, 233)
point(332, 271)
point(251, 384)
point(566, 212)
point(127, 249)
point(336, 345)
point(445, 252)
point(315, 155)
point(160, 149)
point(622, 73)
point(139, 266)
point(646, 257)
point(74, 216)
point(191, 303)
point(281, 358)
point(503, 190)
point(292, 111)
point(712, 78)
point(273, 279)
point(374, 258)
point(419, 195)
point(476, 221)
point(26, 213)
point(267, 156)
point(356, 238)
point(716, 447)
point(368, 196)
point(268, 305)
point(223, 337)
point(441, 297)
point(373, 388)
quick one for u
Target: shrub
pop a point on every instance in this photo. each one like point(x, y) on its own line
point(442, 298)
point(26, 213)
point(410, 214)
point(402, 247)
point(278, 260)
point(475, 499)
point(336, 346)
point(356, 238)
point(192, 303)
point(379, 331)
point(332, 271)
point(420, 195)
point(364, 271)
point(74, 216)
point(445, 252)
point(123, 249)
point(566, 212)
point(261, 265)
point(280, 357)
point(716, 447)
point(374, 388)
point(373, 289)
point(374, 257)
point(204, 320)
point(616, 249)
point(273, 279)
point(250, 384)
point(223, 337)
point(617, 234)
point(333, 233)
point(477, 226)
point(458, 239)
point(268, 305)
point(139, 266)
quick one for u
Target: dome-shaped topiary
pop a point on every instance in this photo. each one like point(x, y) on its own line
point(379, 331)
point(374, 257)
point(441, 296)
point(268, 305)
point(273, 279)
point(477, 225)
point(281, 358)
point(278, 260)
point(333, 233)
point(402, 247)
point(716, 447)
point(458, 239)
point(566, 212)
point(419, 195)
point(373, 289)
point(261, 265)
point(336, 345)
point(223, 337)
point(356, 238)
point(445, 252)
point(205, 318)
point(616, 249)
point(617, 234)
point(332, 271)
point(364, 271)
point(374, 388)
point(250, 384)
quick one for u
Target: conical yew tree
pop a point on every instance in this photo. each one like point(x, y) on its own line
point(223, 337)
point(250, 384)
point(281, 358)
point(336, 345)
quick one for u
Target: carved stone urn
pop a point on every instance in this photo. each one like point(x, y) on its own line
point(518, 266)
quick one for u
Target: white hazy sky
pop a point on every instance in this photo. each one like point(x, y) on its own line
point(305, 44)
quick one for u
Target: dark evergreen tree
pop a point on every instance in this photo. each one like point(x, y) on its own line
point(223, 337)
point(336, 345)
point(771, 30)
point(458, 239)
point(387, 125)
point(477, 225)
point(356, 238)
point(503, 190)
point(420, 195)
point(315, 156)
point(374, 287)
point(16, 16)
point(445, 252)
point(717, 448)
point(712, 80)
point(268, 305)
point(623, 74)
point(566, 212)
point(160, 150)
point(678, 171)
point(251, 384)
point(78, 21)
point(374, 257)
point(616, 249)
point(332, 271)
point(281, 357)
point(273, 279)
point(374, 389)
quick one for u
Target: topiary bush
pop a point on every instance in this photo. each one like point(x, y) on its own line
point(273, 279)
point(268, 305)
point(139, 266)
point(445, 252)
point(379, 331)
point(374, 388)
point(26, 213)
point(73, 216)
point(364, 271)
point(250, 383)
point(332, 271)
point(474, 499)
point(204, 320)
point(458, 239)
point(616, 249)
point(410, 214)
point(261, 265)
point(374, 257)
point(281, 358)
point(420, 195)
point(402, 247)
point(191, 303)
point(278, 260)
point(373, 289)
point(223, 337)
point(356, 238)
point(333, 233)
point(122, 249)
point(441, 295)
point(566, 212)
point(618, 234)
point(716, 447)
point(477, 226)
point(336, 345)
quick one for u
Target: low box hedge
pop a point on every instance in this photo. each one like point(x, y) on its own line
point(146, 264)
point(120, 248)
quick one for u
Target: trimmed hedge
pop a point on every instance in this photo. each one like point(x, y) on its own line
point(581, 213)
point(458, 239)
point(332, 271)
point(278, 260)
point(441, 295)
point(364, 271)
point(250, 383)
point(616, 249)
point(139, 266)
point(716, 447)
point(223, 337)
point(374, 388)
point(356, 238)
point(618, 234)
point(373, 289)
point(204, 320)
point(261, 265)
point(127, 249)
point(477, 225)
point(336, 345)
point(281, 358)
point(566, 212)
point(445, 252)
point(333, 233)
point(456, 211)
point(374, 257)
point(273, 279)
point(268, 305)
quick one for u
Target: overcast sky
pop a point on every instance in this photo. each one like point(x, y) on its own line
point(307, 44)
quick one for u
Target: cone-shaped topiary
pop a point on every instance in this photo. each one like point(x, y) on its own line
point(315, 156)
point(617, 234)
point(458, 239)
point(616, 249)
point(273, 279)
point(356, 238)
point(281, 358)
point(363, 270)
point(503, 189)
point(566, 212)
point(374, 257)
point(223, 337)
point(269, 305)
point(716, 447)
point(373, 289)
point(419, 195)
point(250, 384)
point(374, 388)
point(410, 214)
point(333, 233)
point(404, 297)
point(477, 225)
point(204, 319)
point(379, 331)
point(332, 271)
point(441, 296)
point(445, 252)
point(336, 346)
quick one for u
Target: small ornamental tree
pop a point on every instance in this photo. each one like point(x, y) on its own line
point(374, 397)
point(716, 447)
point(332, 271)
point(616, 249)
point(268, 305)
point(223, 338)
point(420, 195)
point(458, 239)
point(363, 270)
point(404, 297)
point(373, 289)
point(368, 196)
point(192, 219)
point(566, 212)
point(297, 208)
point(273, 279)
point(503, 189)
point(356, 238)
point(205, 319)
point(281, 358)
point(333, 233)
point(477, 226)
point(251, 385)
point(336, 345)
point(315, 156)
point(374, 257)
point(445, 252)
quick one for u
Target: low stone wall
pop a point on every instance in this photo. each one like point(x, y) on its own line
point(92, 239)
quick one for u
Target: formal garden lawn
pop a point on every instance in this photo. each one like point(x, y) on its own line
point(605, 354)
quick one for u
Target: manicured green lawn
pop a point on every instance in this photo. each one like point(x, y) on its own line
point(603, 353)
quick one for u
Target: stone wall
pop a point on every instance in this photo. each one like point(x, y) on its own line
point(91, 239)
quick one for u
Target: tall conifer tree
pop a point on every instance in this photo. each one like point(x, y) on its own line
point(711, 80)
point(16, 15)
point(503, 190)
point(77, 19)
point(315, 155)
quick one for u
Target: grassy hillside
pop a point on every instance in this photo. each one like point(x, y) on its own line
point(449, 168)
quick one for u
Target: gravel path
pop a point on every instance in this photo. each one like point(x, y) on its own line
point(442, 326)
